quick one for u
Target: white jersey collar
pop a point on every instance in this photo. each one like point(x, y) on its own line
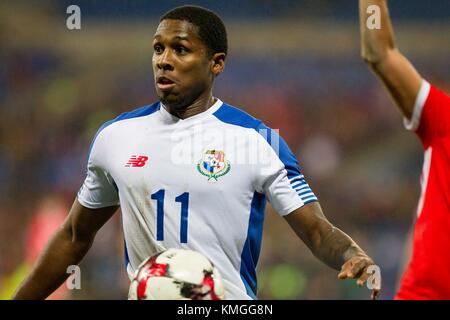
point(167, 116)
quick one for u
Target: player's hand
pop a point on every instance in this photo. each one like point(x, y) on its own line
point(356, 268)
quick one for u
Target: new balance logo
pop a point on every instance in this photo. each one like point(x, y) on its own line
point(137, 161)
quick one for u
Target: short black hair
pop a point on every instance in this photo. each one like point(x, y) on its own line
point(211, 28)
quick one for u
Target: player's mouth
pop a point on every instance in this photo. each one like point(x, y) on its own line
point(164, 83)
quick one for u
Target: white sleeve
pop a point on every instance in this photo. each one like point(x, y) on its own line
point(280, 179)
point(413, 123)
point(99, 189)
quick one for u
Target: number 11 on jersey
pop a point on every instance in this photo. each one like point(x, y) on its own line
point(184, 200)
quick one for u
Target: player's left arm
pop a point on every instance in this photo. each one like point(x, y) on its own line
point(330, 244)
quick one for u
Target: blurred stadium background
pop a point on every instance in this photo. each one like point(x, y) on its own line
point(294, 64)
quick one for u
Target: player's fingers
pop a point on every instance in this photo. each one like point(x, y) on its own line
point(375, 294)
point(358, 268)
point(363, 278)
point(345, 270)
point(352, 268)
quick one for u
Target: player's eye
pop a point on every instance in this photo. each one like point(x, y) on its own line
point(180, 50)
point(158, 48)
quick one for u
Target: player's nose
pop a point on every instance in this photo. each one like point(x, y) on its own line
point(164, 61)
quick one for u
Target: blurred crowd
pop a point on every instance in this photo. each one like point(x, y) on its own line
point(58, 86)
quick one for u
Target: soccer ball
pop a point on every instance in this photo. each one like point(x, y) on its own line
point(177, 274)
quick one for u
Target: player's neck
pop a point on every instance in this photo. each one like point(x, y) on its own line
point(200, 105)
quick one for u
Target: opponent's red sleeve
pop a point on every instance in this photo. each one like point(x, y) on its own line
point(431, 114)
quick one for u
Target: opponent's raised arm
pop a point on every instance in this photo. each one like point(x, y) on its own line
point(379, 50)
point(67, 247)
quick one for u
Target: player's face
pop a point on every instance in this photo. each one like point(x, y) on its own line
point(181, 65)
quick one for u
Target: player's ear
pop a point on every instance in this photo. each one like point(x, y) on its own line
point(218, 63)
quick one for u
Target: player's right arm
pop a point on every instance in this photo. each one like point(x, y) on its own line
point(378, 49)
point(96, 202)
point(67, 247)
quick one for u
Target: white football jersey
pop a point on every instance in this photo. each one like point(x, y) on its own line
point(200, 183)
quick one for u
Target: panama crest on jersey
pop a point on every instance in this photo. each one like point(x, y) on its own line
point(213, 164)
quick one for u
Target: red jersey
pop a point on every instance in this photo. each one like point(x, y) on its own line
point(428, 273)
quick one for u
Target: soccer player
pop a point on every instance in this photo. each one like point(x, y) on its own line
point(191, 171)
point(427, 112)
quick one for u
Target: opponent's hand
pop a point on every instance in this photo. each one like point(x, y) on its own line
point(356, 268)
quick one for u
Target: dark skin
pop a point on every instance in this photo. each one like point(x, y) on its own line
point(181, 56)
point(67, 247)
point(331, 245)
point(189, 70)
point(379, 50)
